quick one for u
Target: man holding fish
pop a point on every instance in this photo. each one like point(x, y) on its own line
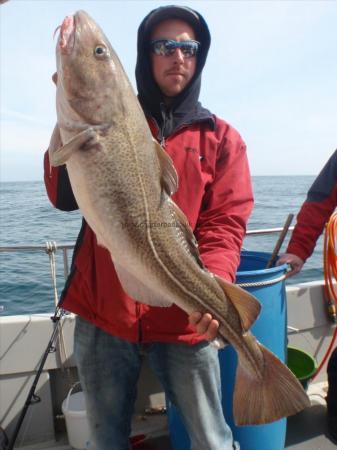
point(149, 274)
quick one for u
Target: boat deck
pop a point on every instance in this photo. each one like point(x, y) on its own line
point(308, 429)
point(305, 431)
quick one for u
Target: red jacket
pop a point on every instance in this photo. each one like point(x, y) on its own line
point(315, 211)
point(215, 194)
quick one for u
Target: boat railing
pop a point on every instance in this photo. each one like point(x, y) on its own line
point(50, 246)
point(264, 231)
point(65, 248)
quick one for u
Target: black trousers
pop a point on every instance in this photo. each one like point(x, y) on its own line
point(332, 380)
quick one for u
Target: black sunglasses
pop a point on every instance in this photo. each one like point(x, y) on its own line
point(166, 47)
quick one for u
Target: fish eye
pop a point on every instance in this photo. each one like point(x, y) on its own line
point(101, 51)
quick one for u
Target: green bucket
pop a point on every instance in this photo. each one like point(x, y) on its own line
point(301, 364)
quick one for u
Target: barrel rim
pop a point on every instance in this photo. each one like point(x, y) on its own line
point(261, 256)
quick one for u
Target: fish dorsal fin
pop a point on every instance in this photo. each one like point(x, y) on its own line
point(169, 176)
point(187, 232)
point(247, 306)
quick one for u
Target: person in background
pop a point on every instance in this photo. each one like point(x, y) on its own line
point(320, 203)
point(113, 332)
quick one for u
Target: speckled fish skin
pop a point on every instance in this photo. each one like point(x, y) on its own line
point(122, 179)
point(117, 182)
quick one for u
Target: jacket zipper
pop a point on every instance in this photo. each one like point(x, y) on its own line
point(162, 130)
point(160, 136)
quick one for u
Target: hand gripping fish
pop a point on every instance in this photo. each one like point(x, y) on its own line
point(123, 181)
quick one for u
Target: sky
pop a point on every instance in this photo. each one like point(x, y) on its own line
point(271, 73)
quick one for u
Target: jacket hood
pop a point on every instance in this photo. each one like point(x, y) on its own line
point(185, 106)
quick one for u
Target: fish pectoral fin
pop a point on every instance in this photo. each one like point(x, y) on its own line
point(169, 176)
point(59, 155)
point(247, 306)
point(55, 143)
point(139, 291)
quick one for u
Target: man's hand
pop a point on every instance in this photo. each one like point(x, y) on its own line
point(204, 324)
point(54, 78)
point(294, 261)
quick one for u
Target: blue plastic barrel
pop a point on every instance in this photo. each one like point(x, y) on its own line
point(270, 329)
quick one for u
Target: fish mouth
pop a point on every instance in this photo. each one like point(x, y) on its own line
point(70, 27)
point(66, 40)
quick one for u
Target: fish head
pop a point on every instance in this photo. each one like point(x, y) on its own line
point(89, 74)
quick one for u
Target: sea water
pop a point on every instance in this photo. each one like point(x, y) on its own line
point(27, 218)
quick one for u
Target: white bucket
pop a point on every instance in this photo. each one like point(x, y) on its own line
point(74, 410)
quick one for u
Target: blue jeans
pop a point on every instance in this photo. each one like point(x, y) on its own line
point(109, 368)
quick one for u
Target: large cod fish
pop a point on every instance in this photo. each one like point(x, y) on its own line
point(123, 181)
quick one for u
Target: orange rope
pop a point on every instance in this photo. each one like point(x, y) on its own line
point(330, 275)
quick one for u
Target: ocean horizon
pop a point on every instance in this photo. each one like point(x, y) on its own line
point(27, 218)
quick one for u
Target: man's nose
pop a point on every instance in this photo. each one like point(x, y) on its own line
point(179, 56)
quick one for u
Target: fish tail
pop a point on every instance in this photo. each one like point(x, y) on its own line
point(268, 396)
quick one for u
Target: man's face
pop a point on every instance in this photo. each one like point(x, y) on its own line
point(172, 73)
